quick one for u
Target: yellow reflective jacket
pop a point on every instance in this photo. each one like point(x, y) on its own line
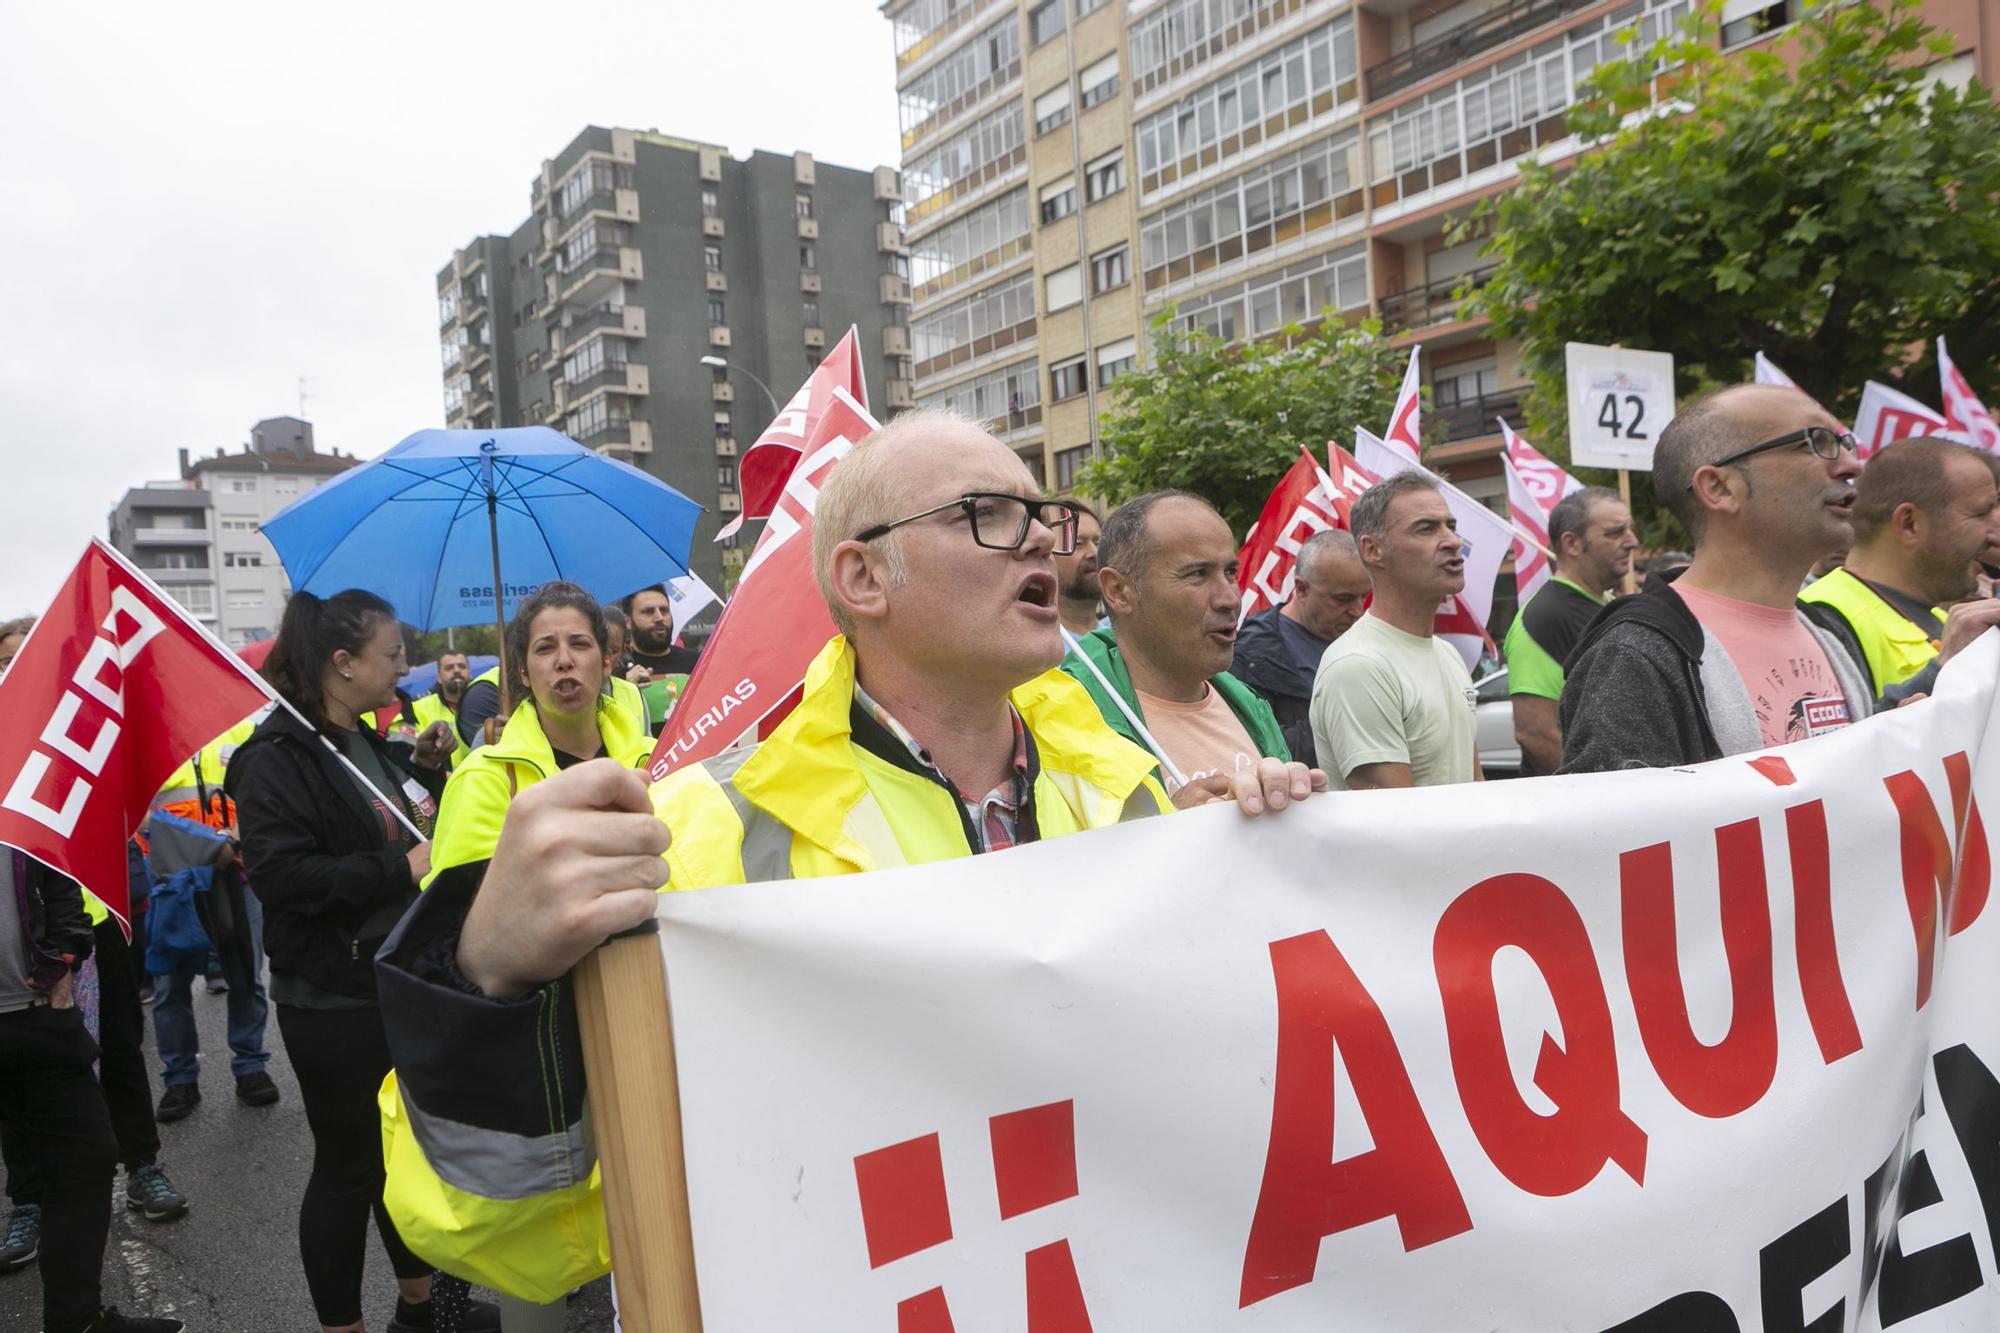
point(181, 794)
point(476, 798)
point(1894, 648)
point(491, 1174)
point(431, 708)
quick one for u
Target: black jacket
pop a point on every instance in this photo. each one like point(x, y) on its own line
point(1265, 663)
point(316, 854)
point(52, 919)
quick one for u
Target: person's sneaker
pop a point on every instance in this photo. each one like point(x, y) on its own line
point(148, 1191)
point(256, 1090)
point(216, 985)
point(177, 1103)
point(480, 1317)
point(109, 1320)
point(22, 1240)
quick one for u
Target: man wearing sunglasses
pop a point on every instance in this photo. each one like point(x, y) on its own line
point(1721, 660)
point(934, 726)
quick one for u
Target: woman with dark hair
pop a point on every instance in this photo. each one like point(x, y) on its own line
point(334, 867)
point(556, 649)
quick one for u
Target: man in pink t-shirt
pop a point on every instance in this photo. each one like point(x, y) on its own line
point(1721, 660)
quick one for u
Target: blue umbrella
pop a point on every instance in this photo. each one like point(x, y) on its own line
point(432, 525)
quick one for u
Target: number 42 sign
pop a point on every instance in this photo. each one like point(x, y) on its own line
point(1619, 401)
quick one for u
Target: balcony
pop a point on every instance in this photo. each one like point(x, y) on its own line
point(1437, 303)
point(715, 282)
point(711, 226)
point(1471, 418)
point(1495, 26)
point(809, 283)
point(618, 319)
point(902, 394)
point(615, 377)
point(599, 274)
point(895, 289)
point(718, 335)
point(608, 435)
point(889, 238)
point(808, 229)
point(605, 201)
point(895, 340)
point(170, 536)
point(815, 337)
point(888, 185)
point(722, 391)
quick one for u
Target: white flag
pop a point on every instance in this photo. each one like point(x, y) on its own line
point(1886, 416)
point(1962, 408)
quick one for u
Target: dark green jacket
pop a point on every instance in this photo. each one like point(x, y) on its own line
point(1101, 647)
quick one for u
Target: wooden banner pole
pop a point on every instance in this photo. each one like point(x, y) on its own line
point(1631, 580)
point(635, 1108)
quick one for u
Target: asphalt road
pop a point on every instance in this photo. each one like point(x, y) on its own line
point(231, 1265)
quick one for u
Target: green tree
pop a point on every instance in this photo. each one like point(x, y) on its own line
point(1835, 216)
point(1225, 421)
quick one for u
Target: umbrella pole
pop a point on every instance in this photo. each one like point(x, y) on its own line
point(499, 605)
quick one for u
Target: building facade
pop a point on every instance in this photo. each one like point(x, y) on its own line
point(1071, 167)
point(644, 254)
point(198, 536)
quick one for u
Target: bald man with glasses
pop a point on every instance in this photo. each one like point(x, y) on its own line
point(1721, 660)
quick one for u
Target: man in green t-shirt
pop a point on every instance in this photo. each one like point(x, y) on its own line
point(1591, 535)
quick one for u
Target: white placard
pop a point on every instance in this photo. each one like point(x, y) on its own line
point(1619, 402)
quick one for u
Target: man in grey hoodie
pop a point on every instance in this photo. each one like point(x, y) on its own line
point(1721, 661)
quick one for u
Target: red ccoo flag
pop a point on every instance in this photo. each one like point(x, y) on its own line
point(776, 622)
point(1301, 505)
point(113, 690)
point(767, 464)
point(1962, 409)
point(1405, 433)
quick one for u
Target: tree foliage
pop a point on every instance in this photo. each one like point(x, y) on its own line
point(1225, 421)
point(1834, 216)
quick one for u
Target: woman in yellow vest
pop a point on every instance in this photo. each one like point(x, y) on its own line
point(556, 647)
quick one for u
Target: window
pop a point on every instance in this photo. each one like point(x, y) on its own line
point(1110, 269)
point(720, 374)
point(243, 599)
point(1089, 6)
point(238, 523)
point(1314, 187)
point(1299, 292)
point(723, 429)
point(285, 486)
point(242, 560)
point(1104, 177)
point(1114, 359)
point(1058, 199)
point(1044, 21)
point(986, 237)
point(802, 204)
point(990, 318)
point(960, 79)
point(1068, 463)
point(725, 474)
point(1064, 288)
point(1099, 82)
point(1006, 399)
point(591, 186)
point(711, 203)
point(715, 312)
point(1181, 35)
point(199, 599)
point(1066, 379)
point(1466, 383)
point(808, 257)
point(1747, 20)
point(240, 486)
point(175, 560)
point(711, 258)
point(955, 168)
point(1052, 110)
point(811, 311)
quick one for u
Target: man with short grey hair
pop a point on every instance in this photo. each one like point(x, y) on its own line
point(1278, 649)
point(1392, 705)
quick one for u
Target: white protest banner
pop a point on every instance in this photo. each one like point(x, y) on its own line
point(1887, 415)
point(1488, 537)
point(1656, 1051)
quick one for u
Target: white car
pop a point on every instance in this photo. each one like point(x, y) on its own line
point(1499, 752)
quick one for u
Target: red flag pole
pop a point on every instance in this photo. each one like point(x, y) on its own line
point(242, 667)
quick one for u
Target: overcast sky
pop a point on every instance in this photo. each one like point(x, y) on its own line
point(206, 202)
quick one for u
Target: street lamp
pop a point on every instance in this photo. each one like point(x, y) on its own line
point(717, 363)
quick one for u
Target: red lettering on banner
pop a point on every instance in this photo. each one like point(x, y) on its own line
point(925, 1312)
point(1932, 877)
point(1055, 1296)
point(1034, 1157)
point(1306, 1195)
point(903, 1204)
point(1546, 1155)
point(1730, 1076)
point(1820, 981)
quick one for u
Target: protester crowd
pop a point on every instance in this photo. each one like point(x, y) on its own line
point(421, 875)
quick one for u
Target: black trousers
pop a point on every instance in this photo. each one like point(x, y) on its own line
point(340, 1057)
point(52, 1109)
point(128, 1094)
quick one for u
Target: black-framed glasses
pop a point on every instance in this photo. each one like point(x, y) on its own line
point(1824, 441)
point(999, 521)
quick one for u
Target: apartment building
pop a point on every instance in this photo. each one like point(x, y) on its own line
point(661, 294)
point(198, 535)
point(1073, 166)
